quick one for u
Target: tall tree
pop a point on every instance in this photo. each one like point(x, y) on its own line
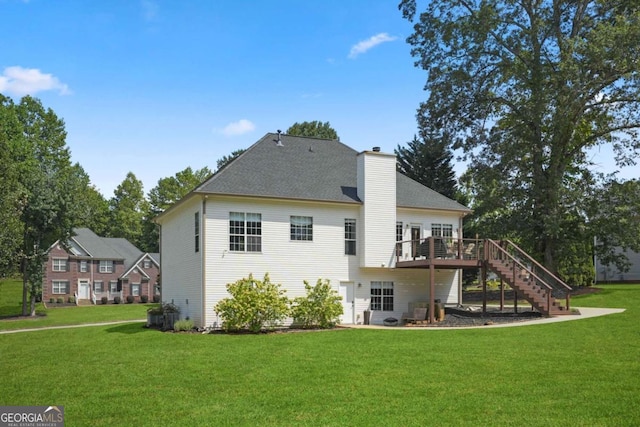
point(314, 129)
point(428, 162)
point(128, 208)
point(168, 191)
point(49, 182)
point(526, 87)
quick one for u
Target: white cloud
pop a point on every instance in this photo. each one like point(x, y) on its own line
point(371, 42)
point(238, 128)
point(29, 81)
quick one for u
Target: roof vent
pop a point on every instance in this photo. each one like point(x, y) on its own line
point(279, 141)
point(376, 149)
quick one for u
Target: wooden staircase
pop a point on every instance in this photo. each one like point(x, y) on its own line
point(541, 288)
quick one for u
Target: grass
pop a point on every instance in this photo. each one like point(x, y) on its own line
point(11, 306)
point(583, 372)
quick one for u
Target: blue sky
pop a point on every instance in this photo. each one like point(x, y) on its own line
point(154, 86)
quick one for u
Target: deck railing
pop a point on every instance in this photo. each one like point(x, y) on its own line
point(559, 288)
point(439, 248)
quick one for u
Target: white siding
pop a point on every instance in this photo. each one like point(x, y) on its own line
point(288, 262)
point(377, 190)
point(410, 217)
point(410, 285)
point(181, 267)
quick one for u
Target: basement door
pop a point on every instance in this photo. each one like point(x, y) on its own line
point(348, 302)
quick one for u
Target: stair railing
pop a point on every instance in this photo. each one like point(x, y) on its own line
point(496, 252)
point(561, 288)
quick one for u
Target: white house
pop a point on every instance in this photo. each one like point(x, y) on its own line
point(302, 209)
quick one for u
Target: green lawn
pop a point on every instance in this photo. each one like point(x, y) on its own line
point(11, 305)
point(579, 373)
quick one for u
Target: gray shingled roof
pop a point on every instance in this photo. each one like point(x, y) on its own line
point(309, 169)
point(107, 247)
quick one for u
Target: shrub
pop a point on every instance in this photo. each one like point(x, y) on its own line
point(130, 299)
point(72, 300)
point(183, 325)
point(104, 300)
point(253, 305)
point(157, 310)
point(156, 298)
point(144, 299)
point(52, 300)
point(60, 300)
point(117, 300)
point(321, 307)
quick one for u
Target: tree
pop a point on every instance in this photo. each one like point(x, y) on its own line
point(11, 191)
point(128, 207)
point(525, 88)
point(226, 160)
point(314, 129)
point(429, 163)
point(48, 187)
point(168, 191)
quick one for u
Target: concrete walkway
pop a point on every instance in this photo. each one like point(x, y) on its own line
point(585, 313)
point(83, 325)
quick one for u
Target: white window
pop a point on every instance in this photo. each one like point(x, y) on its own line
point(83, 266)
point(349, 236)
point(113, 286)
point(106, 266)
point(60, 287)
point(98, 286)
point(135, 289)
point(442, 230)
point(196, 224)
point(59, 264)
point(146, 264)
point(382, 296)
point(399, 238)
point(302, 228)
point(245, 232)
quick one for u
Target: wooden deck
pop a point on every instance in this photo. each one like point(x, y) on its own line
point(442, 263)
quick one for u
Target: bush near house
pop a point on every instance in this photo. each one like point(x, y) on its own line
point(144, 299)
point(253, 305)
point(117, 300)
point(320, 308)
point(183, 325)
point(130, 299)
point(104, 300)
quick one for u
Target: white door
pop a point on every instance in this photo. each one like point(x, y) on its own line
point(346, 292)
point(83, 289)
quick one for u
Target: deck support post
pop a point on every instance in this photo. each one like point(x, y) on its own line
point(432, 293)
point(484, 288)
point(501, 294)
point(515, 301)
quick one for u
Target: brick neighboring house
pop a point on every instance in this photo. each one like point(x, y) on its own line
point(89, 267)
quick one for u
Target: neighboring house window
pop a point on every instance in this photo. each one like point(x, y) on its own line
point(302, 228)
point(98, 286)
point(399, 238)
point(135, 289)
point(113, 286)
point(349, 236)
point(245, 232)
point(196, 223)
point(59, 264)
point(83, 266)
point(146, 264)
point(106, 266)
point(382, 296)
point(60, 287)
point(156, 289)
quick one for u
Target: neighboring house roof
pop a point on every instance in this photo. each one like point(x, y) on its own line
point(107, 248)
point(310, 169)
point(154, 257)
